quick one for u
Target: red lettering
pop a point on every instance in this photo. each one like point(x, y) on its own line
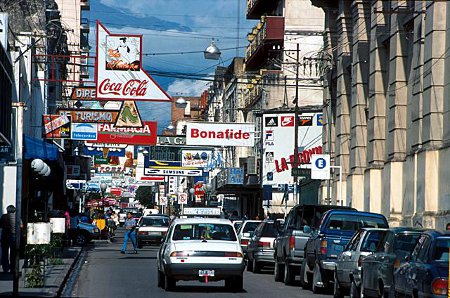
point(194, 133)
point(246, 135)
point(135, 88)
point(277, 167)
point(284, 165)
point(109, 88)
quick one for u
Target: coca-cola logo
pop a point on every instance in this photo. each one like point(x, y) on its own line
point(130, 88)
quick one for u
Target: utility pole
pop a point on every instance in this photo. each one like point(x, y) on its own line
point(296, 161)
point(19, 164)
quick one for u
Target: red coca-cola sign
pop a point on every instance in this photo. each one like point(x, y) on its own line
point(131, 88)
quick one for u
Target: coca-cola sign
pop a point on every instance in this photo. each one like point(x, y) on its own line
point(119, 71)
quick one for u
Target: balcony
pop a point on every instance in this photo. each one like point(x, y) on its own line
point(85, 4)
point(269, 32)
point(84, 24)
point(257, 8)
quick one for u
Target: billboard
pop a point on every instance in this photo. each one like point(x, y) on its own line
point(146, 135)
point(220, 134)
point(91, 115)
point(119, 74)
point(83, 131)
point(56, 126)
point(278, 144)
point(195, 158)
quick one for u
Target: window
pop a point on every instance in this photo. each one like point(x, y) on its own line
point(269, 230)
point(416, 246)
point(353, 244)
point(372, 240)
point(441, 250)
point(204, 231)
point(353, 222)
point(154, 222)
point(250, 226)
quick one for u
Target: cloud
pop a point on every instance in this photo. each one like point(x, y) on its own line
point(187, 87)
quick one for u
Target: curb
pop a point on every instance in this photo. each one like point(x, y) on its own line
point(61, 287)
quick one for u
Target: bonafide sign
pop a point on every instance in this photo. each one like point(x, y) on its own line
point(220, 134)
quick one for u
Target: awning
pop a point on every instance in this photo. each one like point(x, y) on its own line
point(37, 148)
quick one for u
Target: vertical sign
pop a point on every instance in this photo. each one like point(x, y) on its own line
point(320, 166)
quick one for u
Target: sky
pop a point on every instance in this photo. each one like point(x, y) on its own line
point(176, 27)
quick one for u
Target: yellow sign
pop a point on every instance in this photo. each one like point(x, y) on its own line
point(101, 223)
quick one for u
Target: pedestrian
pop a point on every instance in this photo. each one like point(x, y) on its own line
point(448, 227)
point(130, 226)
point(8, 238)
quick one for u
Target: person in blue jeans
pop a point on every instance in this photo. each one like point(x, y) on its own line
point(130, 226)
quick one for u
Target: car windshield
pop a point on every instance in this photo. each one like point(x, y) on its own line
point(204, 231)
point(269, 230)
point(372, 240)
point(154, 222)
point(441, 250)
point(404, 244)
point(250, 226)
point(353, 222)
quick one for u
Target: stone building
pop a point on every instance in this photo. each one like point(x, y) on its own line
point(387, 119)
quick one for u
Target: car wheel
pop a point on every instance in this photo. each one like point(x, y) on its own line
point(161, 280)
point(236, 283)
point(249, 265)
point(355, 292)
point(169, 283)
point(80, 238)
point(337, 291)
point(278, 271)
point(317, 277)
point(256, 267)
point(289, 277)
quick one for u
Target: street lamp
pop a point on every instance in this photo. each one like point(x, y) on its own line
point(192, 191)
point(181, 102)
point(212, 52)
point(103, 187)
point(170, 126)
point(207, 188)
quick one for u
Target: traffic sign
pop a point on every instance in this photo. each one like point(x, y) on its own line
point(301, 172)
point(182, 198)
point(320, 166)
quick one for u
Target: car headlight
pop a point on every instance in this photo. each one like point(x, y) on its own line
point(96, 230)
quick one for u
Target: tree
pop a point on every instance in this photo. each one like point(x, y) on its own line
point(144, 195)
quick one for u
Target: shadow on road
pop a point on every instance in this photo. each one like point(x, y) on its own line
point(203, 289)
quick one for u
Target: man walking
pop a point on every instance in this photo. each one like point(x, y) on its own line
point(8, 238)
point(130, 226)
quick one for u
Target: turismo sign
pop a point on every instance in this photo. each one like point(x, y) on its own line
point(91, 116)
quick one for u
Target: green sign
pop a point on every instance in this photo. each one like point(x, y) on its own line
point(100, 160)
point(301, 173)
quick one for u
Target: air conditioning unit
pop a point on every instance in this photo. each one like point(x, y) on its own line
point(251, 165)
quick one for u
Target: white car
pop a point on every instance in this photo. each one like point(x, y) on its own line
point(203, 249)
point(151, 229)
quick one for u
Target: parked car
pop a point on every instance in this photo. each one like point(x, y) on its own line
point(82, 233)
point(377, 270)
point(425, 274)
point(290, 243)
point(245, 233)
point(151, 229)
point(260, 247)
point(328, 241)
point(203, 249)
point(347, 276)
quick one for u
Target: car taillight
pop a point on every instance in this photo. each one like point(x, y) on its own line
point(244, 242)
point(142, 233)
point(396, 263)
point(292, 242)
point(233, 255)
point(323, 247)
point(174, 254)
point(360, 261)
point(263, 244)
point(439, 286)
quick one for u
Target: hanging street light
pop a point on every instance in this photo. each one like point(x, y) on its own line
point(212, 52)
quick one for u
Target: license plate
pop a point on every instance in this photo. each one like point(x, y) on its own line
point(154, 233)
point(206, 273)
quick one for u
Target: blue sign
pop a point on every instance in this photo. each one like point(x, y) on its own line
point(83, 131)
point(267, 192)
point(235, 176)
point(321, 163)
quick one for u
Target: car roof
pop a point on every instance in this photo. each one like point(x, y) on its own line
point(356, 212)
point(405, 230)
point(155, 215)
point(201, 220)
point(438, 233)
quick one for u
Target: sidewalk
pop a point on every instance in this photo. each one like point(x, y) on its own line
point(55, 277)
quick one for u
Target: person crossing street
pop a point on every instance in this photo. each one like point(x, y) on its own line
point(130, 226)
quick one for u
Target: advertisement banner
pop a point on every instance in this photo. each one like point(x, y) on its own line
point(56, 127)
point(146, 135)
point(278, 144)
point(172, 172)
point(83, 93)
point(220, 134)
point(83, 131)
point(196, 158)
point(119, 71)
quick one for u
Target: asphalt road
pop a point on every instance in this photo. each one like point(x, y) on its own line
point(104, 272)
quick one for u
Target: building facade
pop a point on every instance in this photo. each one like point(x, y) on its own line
point(386, 114)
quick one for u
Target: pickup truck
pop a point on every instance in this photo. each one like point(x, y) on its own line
point(328, 241)
point(289, 246)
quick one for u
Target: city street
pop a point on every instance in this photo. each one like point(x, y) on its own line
point(104, 272)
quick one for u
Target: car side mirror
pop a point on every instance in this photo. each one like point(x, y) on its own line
point(307, 229)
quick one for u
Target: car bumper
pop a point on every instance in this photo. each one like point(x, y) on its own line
point(190, 271)
point(265, 256)
point(150, 238)
point(328, 265)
